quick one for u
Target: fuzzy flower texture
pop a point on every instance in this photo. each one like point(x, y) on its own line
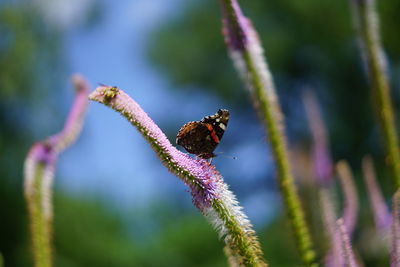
point(209, 192)
point(39, 174)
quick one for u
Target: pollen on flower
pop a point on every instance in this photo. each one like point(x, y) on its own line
point(110, 93)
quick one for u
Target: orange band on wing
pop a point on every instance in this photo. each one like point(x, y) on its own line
point(213, 133)
point(209, 127)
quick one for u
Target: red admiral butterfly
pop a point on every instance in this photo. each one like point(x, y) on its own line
point(202, 137)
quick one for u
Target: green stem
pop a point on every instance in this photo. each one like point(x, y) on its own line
point(367, 21)
point(40, 225)
point(240, 241)
point(246, 53)
point(39, 173)
point(271, 114)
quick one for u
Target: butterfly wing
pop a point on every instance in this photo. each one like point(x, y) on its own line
point(195, 137)
point(202, 137)
point(219, 122)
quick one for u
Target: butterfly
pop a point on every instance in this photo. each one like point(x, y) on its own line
point(202, 137)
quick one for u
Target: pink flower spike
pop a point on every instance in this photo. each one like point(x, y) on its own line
point(247, 54)
point(39, 173)
point(321, 157)
point(350, 209)
point(236, 26)
point(348, 254)
point(382, 216)
point(395, 253)
point(209, 192)
point(74, 121)
point(334, 255)
point(45, 153)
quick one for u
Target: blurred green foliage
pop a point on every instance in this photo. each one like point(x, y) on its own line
point(88, 234)
point(27, 53)
point(28, 49)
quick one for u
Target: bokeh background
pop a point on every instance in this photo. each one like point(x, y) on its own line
point(115, 204)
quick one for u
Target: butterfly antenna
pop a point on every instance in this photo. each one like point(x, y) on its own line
point(226, 156)
point(105, 85)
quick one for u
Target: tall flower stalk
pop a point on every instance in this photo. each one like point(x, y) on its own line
point(348, 253)
point(247, 55)
point(380, 211)
point(322, 164)
point(367, 23)
point(322, 161)
point(395, 250)
point(39, 173)
point(350, 206)
point(334, 255)
point(209, 192)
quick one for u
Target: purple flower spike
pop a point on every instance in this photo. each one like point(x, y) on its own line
point(322, 159)
point(236, 26)
point(333, 258)
point(382, 216)
point(74, 121)
point(45, 153)
point(350, 209)
point(247, 54)
point(39, 172)
point(348, 254)
point(209, 192)
point(395, 253)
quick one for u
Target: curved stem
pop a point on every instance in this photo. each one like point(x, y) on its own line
point(39, 173)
